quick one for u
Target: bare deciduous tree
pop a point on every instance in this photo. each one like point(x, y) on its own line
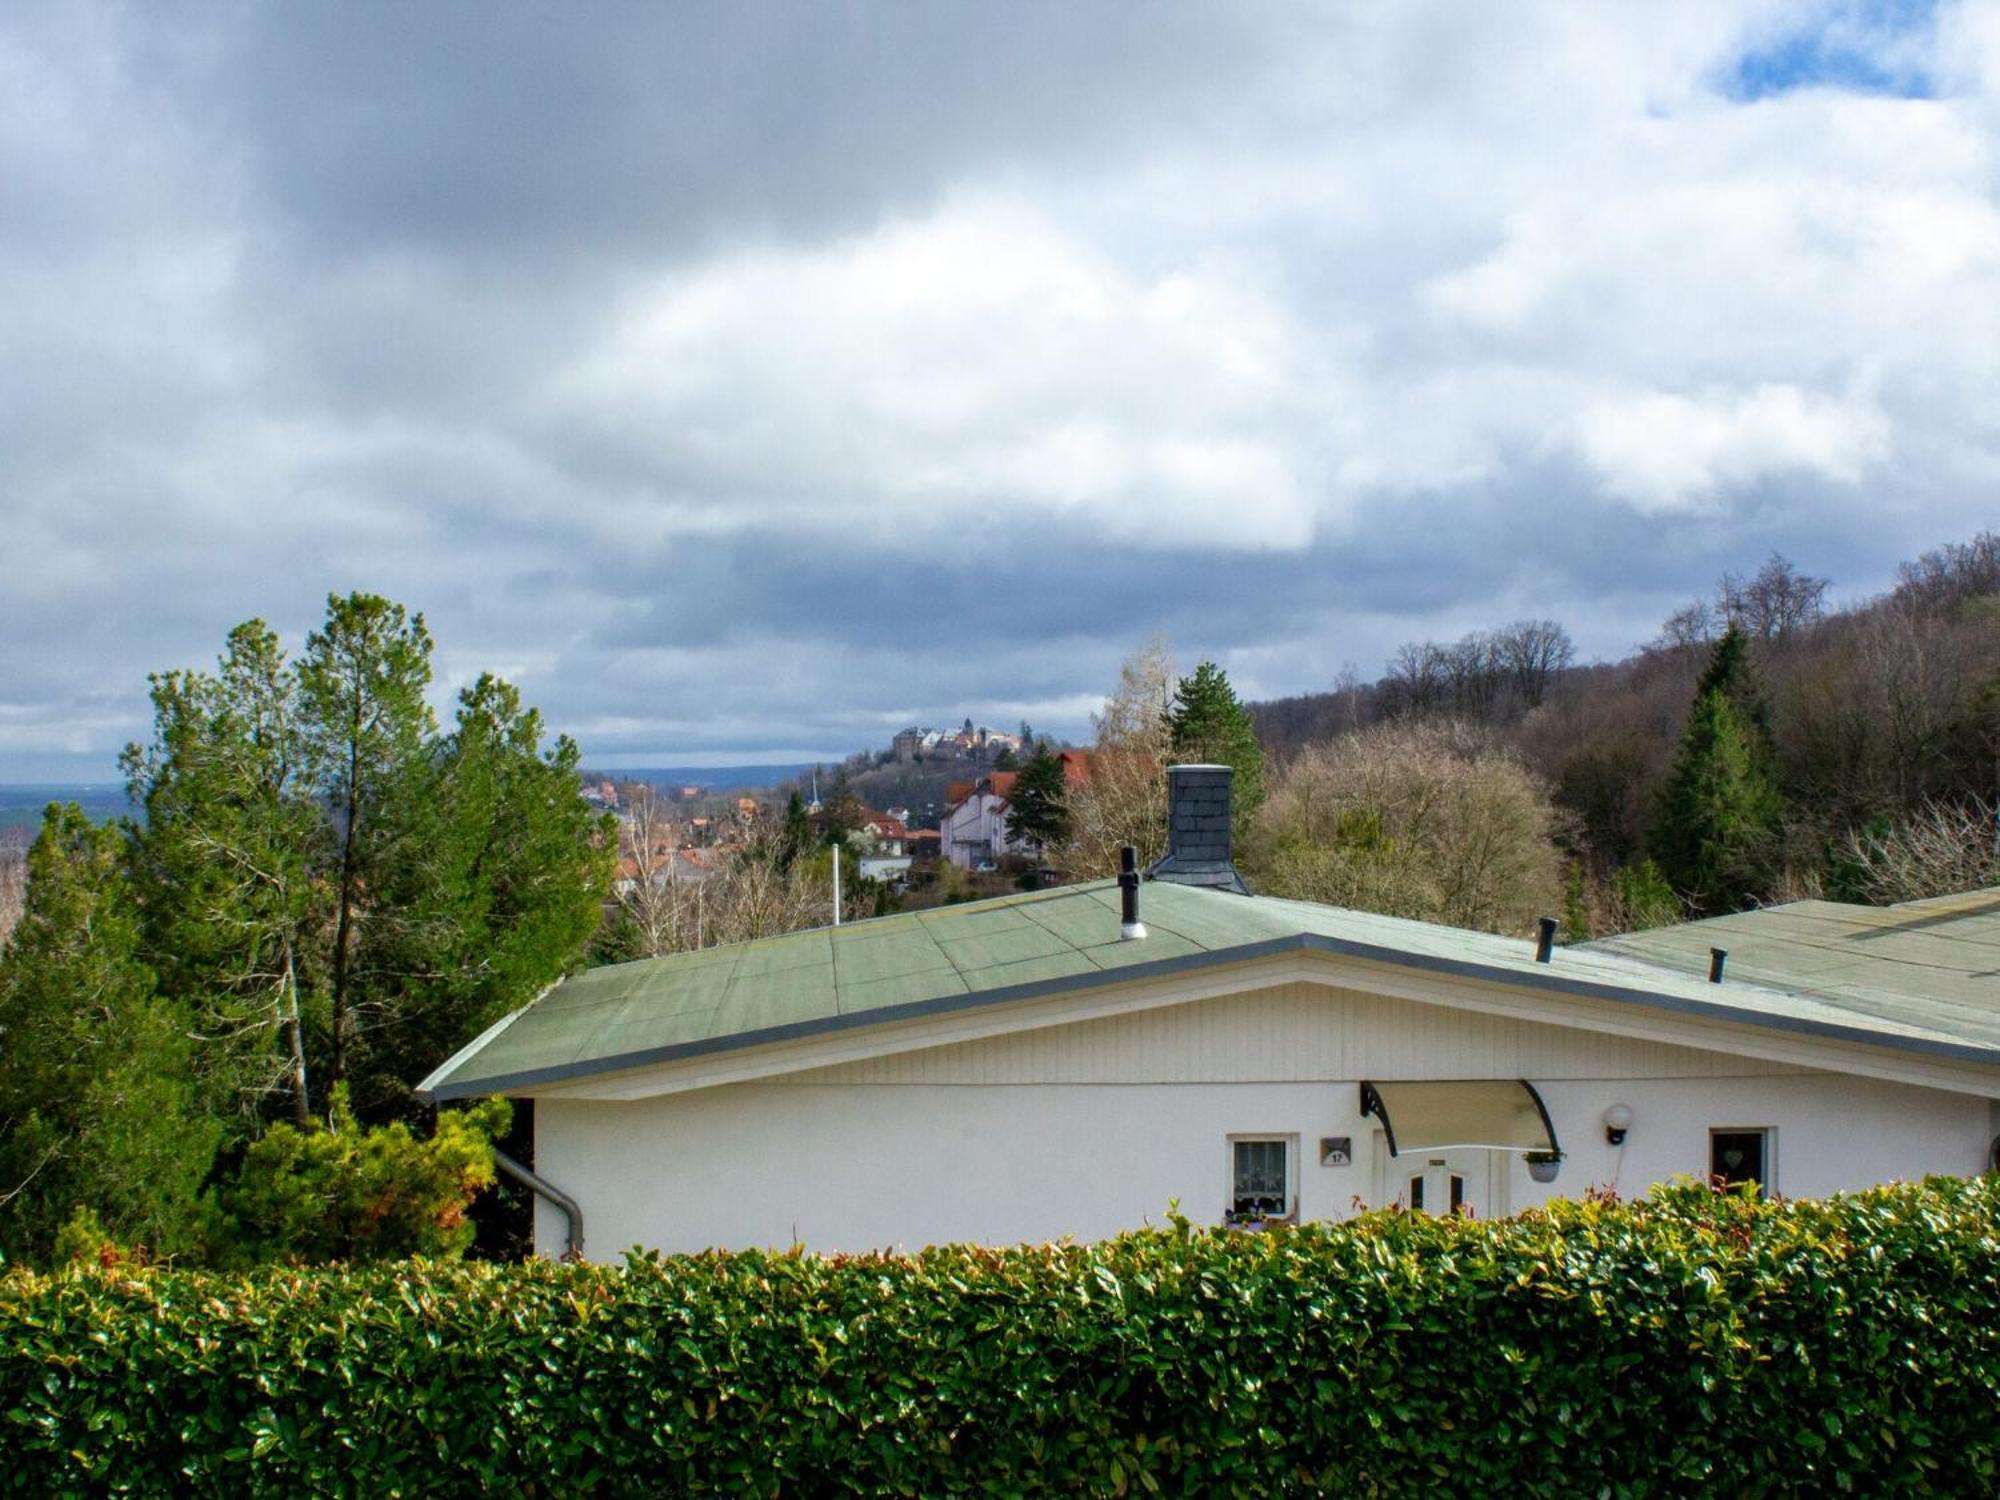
point(1945, 848)
point(1419, 678)
point(1774, 603)
point(1533, 653)
point(1947, 576)
point(675, 903)
point(1431, 820)
point(1124, 799)
point(1691, 626)
point(13, 883)
point(646, 887)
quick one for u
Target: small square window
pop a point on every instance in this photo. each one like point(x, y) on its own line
point(1738, 1156)
point(1260, 1178)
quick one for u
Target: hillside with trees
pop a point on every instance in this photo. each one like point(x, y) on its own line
point(1763, 747)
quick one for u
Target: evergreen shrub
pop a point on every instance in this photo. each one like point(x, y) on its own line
point(1693, 1342)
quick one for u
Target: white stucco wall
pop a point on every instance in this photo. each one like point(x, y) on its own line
point(850, 1166)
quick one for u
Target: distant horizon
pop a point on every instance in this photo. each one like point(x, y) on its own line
point(620, 761)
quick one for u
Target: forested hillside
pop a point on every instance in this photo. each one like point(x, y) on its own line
point(1869, 737)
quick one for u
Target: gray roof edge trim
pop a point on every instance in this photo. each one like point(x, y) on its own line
point(741, 1041)
point(428, 1089)
point(1595, 990)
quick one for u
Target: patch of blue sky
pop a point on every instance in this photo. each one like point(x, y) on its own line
point(1861, 46)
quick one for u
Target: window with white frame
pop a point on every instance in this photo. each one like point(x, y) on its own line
point(1261, 1170)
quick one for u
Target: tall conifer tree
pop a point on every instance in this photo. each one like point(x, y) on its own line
point(362, 682)
point(1037, 807)
point(1207, 724)
point(1717, 832)
point(98, 1106)
point(227, 864)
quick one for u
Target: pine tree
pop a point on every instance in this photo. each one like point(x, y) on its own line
point(313, 850)
point(227, 866)
point(98, 1106)
point(797, 838)
point(1729, 672)
point(1037, 807)
point(1716, 834)
point(507, 889)
point(1207, 724)
point(842, 810)
point(362, 684)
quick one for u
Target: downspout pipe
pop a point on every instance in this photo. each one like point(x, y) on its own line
point(543, 1188)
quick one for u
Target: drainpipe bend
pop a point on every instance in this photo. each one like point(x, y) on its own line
point(542, 1187)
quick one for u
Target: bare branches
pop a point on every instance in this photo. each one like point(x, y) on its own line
point(1489, 675)
point(1946, 577)
point(13, 884)
point(1774, 603)
point(742, 892)
point(1942, 849)
point(1430, 820)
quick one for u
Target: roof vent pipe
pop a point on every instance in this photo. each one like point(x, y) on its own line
point(1129, 925)
point(1717, 957)
point(1545, 945)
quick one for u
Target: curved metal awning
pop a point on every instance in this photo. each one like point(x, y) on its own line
point(1485, 1114)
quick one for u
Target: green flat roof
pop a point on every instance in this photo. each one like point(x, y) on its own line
point(1030, 946)
point(1932, 963)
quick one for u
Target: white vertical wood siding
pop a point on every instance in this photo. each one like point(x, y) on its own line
point(1298, 1032)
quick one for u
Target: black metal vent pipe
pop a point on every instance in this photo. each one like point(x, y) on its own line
point(1129, 925)
point(1545, 945)
point(1717, 957)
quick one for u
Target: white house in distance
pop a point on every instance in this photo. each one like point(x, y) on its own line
point(1020, 1070)
point(974, 831)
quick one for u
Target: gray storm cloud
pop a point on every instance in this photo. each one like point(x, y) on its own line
point(757, 377)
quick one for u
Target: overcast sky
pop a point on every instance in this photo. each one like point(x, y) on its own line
point(744, 379)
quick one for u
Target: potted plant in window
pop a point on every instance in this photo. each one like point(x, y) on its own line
point(1543, 1165)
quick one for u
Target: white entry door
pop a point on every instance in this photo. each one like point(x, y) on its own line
point(1443, 1182)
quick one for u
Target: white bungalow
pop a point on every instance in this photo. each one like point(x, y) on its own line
point(1039, 1066)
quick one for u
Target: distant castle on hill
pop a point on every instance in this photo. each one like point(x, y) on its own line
point(917, 744)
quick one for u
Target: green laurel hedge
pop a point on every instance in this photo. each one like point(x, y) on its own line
point(1688, 1343)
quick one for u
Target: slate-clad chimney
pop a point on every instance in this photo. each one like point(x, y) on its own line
point(1198, 830)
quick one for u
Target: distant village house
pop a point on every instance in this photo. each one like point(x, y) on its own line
point(974, 831)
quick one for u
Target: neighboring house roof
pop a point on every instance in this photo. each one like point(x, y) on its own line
point(1933, 963)
point(1036, 945)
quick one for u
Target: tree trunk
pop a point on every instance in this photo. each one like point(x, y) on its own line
point(293, 1030)
point(343, 928)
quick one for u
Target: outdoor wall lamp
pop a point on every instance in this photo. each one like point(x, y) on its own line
point(1617, 1120)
